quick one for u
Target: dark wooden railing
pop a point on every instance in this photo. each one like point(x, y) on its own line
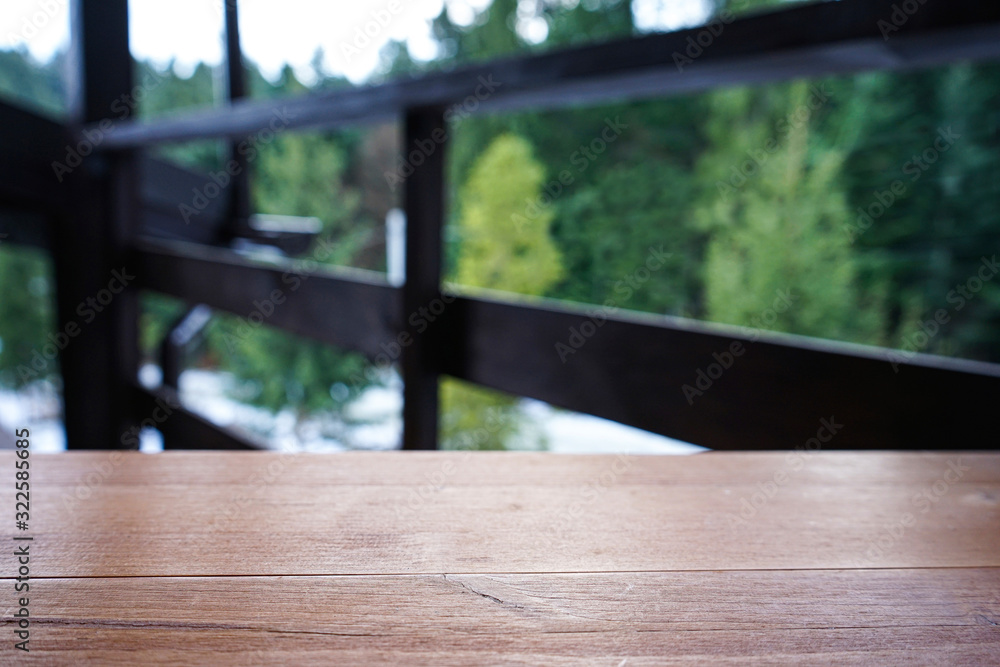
point(116, 212)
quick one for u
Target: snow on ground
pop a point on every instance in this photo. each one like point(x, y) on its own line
point(575, 433)
point(372, 421)
point(39, 409)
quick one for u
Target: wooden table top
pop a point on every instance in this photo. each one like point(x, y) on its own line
point(508, 558)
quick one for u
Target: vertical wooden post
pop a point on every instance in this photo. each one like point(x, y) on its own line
point(235, 78)
point(236, 89)
point(171, 351)
point(94, 292)
point(424, 152)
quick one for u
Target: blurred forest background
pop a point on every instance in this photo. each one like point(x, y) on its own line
point(753, 191)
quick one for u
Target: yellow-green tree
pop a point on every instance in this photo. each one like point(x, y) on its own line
point(776, 212)
point(504, 244)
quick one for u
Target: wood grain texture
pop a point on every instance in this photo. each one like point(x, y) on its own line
point(255, 558)
point(948, 616)
point(127, 514)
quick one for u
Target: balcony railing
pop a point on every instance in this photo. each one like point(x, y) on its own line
point(115, 211)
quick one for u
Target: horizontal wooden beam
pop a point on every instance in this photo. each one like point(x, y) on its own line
point(353, 309)
point(713, 385)
point(25, 226)
point(36, 160)
point(768, 392)
point(183, 429)
point(29, 145)
point(27, 205)
point(811, 40)
point(181, 204)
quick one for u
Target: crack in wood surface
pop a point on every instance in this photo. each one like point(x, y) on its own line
point(500, 602)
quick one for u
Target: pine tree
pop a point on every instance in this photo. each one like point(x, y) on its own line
point(775, 208)
point(504, 244)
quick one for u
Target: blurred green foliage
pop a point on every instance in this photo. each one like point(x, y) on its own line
point(27, 317)
point(501, 246)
